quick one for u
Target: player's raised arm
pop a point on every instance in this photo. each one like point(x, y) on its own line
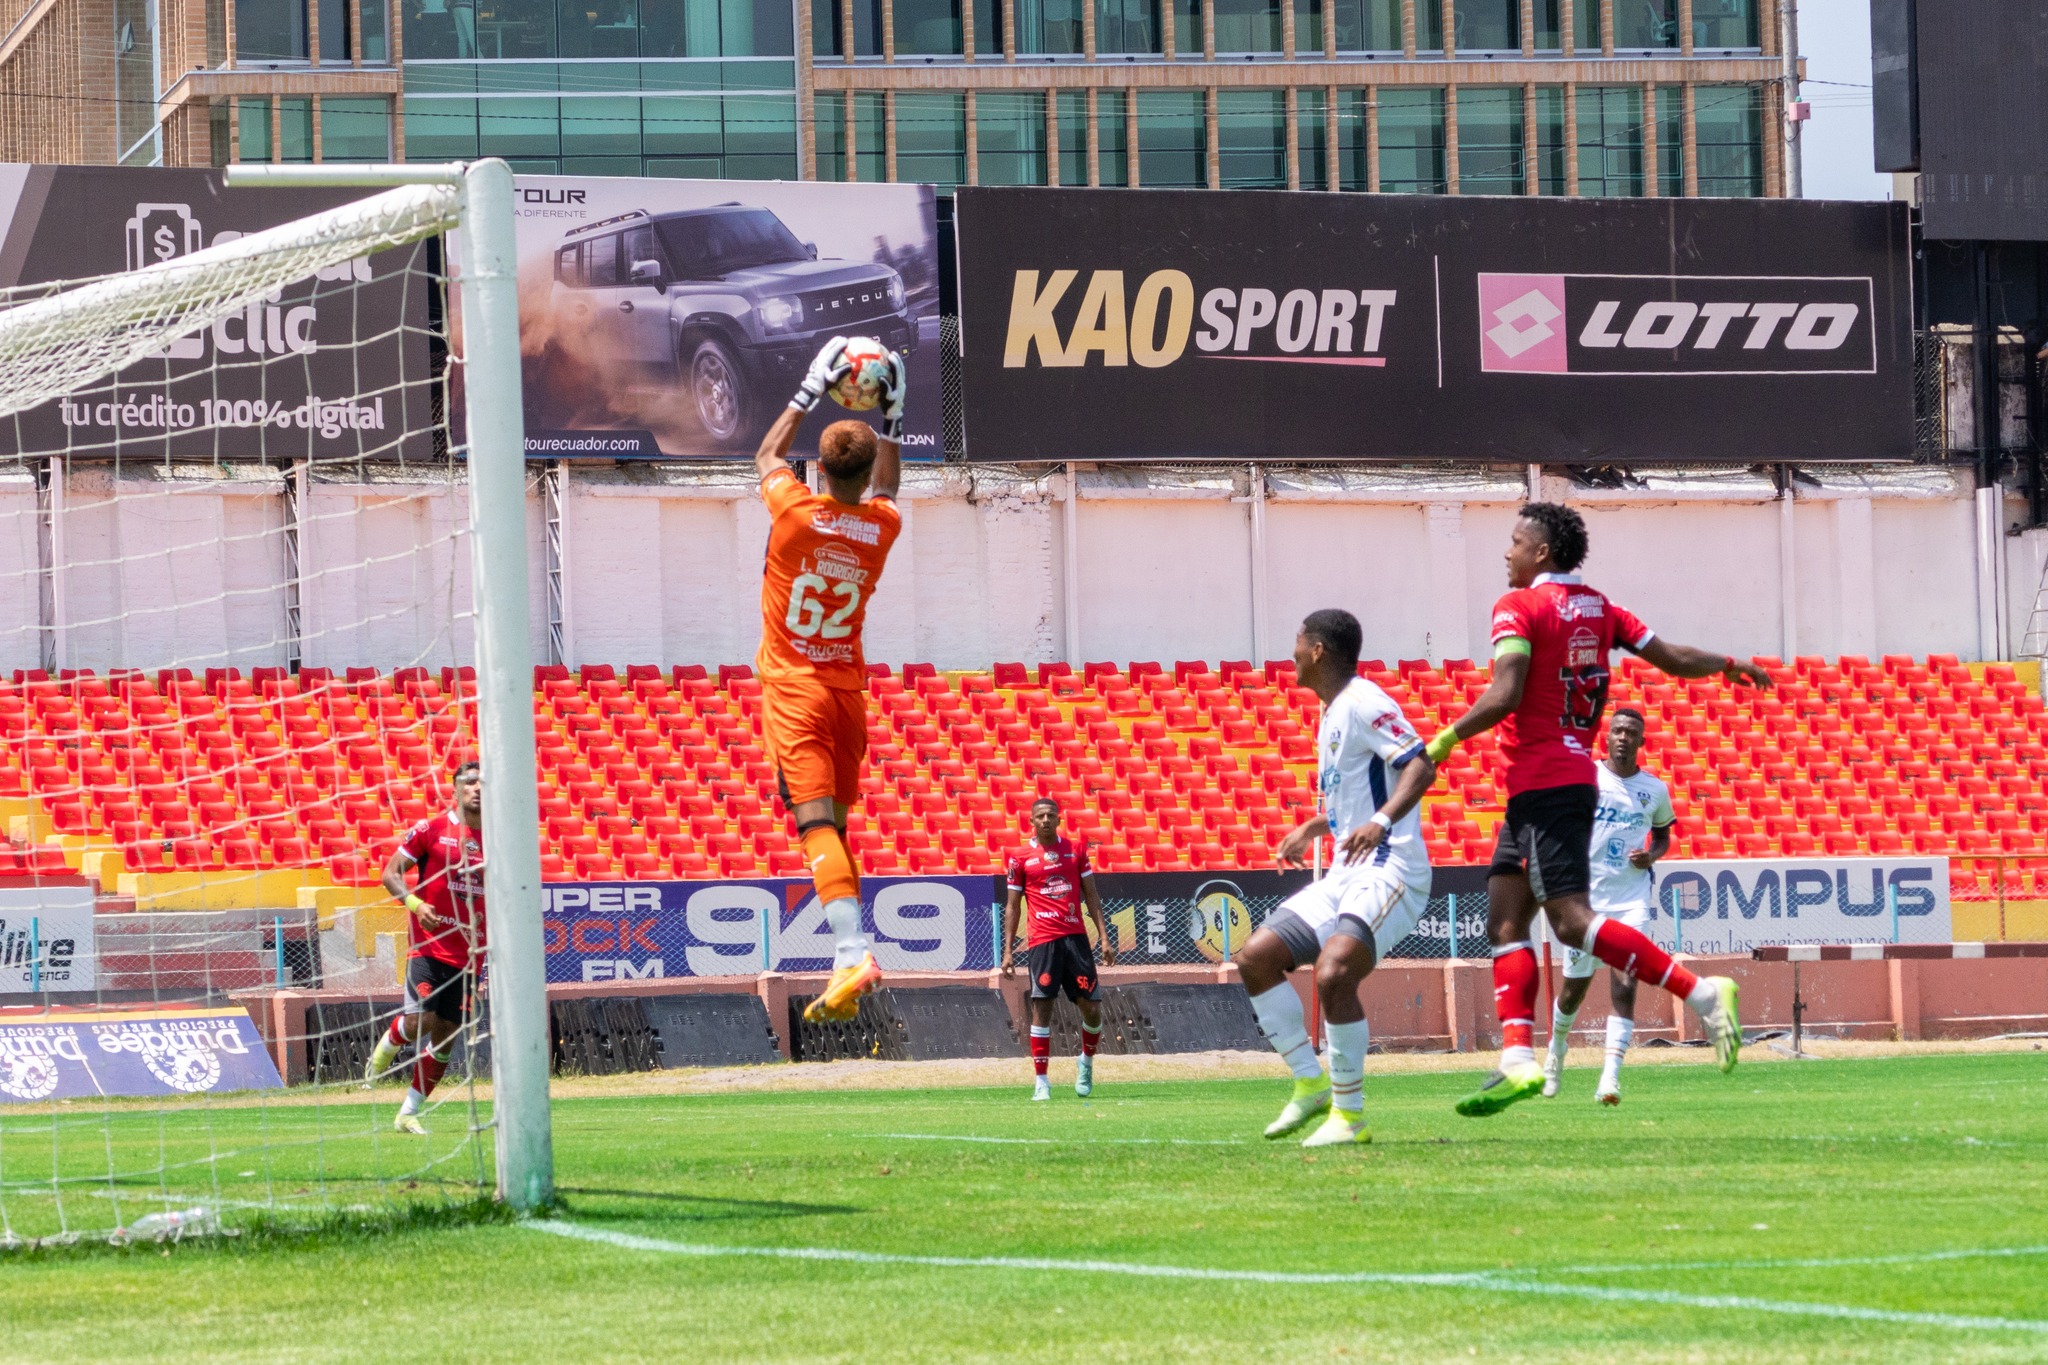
point(1684, 661)
point(887, 477)
point(827, 368)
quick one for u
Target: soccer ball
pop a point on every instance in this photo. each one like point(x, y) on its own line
point(861, 388)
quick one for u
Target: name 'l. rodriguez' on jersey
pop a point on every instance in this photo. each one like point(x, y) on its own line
point(1568, 631)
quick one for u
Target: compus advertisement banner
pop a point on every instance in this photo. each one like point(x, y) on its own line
point(330, 366)
point(676, 317)
point(1171, 324)
point(152, 1052)
point(1734, 906)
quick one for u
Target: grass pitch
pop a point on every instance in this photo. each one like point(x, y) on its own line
point(1849, 1210)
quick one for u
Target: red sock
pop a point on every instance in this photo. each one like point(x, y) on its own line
point(1514, 994)
point(1089, 1038)
point(426, 1072)
point(396, 1037)
point(1041, 1048)
point(1631, 952)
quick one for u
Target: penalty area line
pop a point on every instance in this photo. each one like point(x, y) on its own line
point(1054, 1142)
point(1484, 1281)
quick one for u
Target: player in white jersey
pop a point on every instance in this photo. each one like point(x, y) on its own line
point(1373, 773)
point(1631, 831)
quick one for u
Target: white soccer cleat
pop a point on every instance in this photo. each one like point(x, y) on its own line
point(1553, 1075)
point(1340, 1129)
point(1310, 1099)
point(1041, 1089)
point(1084, 1076)
point(1609, 1093)
point(1723, 1023)
point(409, 1123)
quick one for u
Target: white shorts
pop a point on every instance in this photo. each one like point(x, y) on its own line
point(1374, 899)
point(1582, 966)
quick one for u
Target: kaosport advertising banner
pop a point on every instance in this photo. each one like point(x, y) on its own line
point(625, 931)
point(666, 318)
point(150, 1052)
point(1172, 324)
point(1734, 906)
point(46, 940)
point(323, 368)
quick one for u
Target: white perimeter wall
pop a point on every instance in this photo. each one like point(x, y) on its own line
point(993, 565)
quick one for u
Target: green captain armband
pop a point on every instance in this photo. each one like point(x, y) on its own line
point(1510, 644)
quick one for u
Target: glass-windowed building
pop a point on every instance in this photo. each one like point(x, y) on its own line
point(1563, 97)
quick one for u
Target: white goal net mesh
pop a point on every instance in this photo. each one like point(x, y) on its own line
point(236, 642)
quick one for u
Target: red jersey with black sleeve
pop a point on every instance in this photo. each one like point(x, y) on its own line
point(1050, 879)
point(449, 856)
point(1570, 629)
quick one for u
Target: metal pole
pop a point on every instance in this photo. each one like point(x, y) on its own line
point(277, 946)
point(767, 939)
point(1454, 926)
point(35, 954)
point(995, 934)
point(1794, 181)
point(1891, 896)
point(489, 296)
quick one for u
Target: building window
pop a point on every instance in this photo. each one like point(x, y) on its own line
point(1549, 25)
point(1550, 150)
point(1728, 129)
point(507, 28)
point(870, 136)
point(611, 28)
point(931, 139)
point(828, 117)
point(252, 113)
point(1048, 27)
point(1187, 30)
point(1485, 26)
point(1308, 26)
point(1072, 107)
point(867, 28)
point(1251, 139)
point(1112, 143)
point(1670, 141)
point(520, 127)
point(1311, 137)
point(1127, 26)
point(355, 128)
point(1367, 25)
point(295, 127)
point(1586, 26)
point(1247, 25)
point(1009, 138)
point(1724, 23)
point(270, 31)
point(1354, 162)
point(1412, 141)
point(744, 28)
point(1610, 141)
point(376, 37)
point(1645, 24)
point(1429, 27)
point(1490, 158)
point(1173, 143)
point(825, 33)
point(929, 28)
point(608, 125)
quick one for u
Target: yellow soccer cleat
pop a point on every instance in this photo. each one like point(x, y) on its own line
point(1340, 1128)
point(841, 1000)
point(410, 1123)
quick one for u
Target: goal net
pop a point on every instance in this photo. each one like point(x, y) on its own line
point(239, 649)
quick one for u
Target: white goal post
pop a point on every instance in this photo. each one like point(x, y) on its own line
point(53, 344)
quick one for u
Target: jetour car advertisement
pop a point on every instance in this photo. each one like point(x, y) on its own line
point(674, 318)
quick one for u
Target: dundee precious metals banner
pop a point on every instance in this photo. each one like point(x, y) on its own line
point(1175, 324)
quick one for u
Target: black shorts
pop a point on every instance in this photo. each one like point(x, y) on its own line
point(437, 988)
point(1062, 964)
point(1547, 836)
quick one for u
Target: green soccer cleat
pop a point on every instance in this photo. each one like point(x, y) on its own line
point(1501, 1089)
point(1340, 1129)
point(1724, 1025)
point(1310, 1099)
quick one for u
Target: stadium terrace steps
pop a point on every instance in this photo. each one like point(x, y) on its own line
point(221, 791)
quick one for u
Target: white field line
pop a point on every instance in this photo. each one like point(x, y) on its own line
point(1477, 1280)
point(1055, 1142)
point(1797, 1262)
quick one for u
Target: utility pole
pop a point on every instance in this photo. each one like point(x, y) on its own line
point(1795, 108)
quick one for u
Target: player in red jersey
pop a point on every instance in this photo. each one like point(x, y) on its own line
point(1050, 876)
point(1551, 638)
point(447, 939)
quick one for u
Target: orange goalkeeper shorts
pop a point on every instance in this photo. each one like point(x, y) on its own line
point(817, 737)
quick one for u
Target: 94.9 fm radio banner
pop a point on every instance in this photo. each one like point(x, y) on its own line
point(1170, 324)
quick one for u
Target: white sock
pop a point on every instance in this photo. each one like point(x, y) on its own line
point(1517, 1056)
point(850, 944)
point(1704, 998)
point(1347, 1065)
point(1286, 1028)
point(1561, 1031)
point(1620, 1033)
point(414, 1102)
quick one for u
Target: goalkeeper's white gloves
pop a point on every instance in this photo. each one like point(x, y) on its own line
point(895, 388)
point(830, 366)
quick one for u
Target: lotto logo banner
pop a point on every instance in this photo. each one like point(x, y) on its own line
point(624, 931)
point(1734, 906)
point(153, 1052)
point(1236, 325)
